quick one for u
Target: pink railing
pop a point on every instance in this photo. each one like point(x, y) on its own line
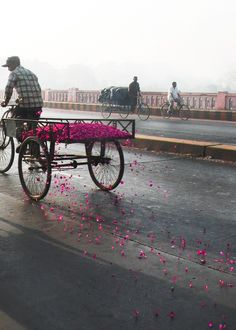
point(205, 101)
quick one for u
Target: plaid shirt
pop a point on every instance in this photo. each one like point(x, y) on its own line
point(27, 87)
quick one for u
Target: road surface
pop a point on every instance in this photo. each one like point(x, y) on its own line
point(157, 253)
point(193, 129)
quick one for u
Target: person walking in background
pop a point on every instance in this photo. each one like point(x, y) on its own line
point(26, 84)
point(134, 93)
point(173, 96)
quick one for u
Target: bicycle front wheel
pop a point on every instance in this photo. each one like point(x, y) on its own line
point(7, 154)
point(7, 150)
point(106, 110)
point(143, 111)
point(164, 110)
point(184, 112)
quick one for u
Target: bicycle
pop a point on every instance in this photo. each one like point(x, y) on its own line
point(181, 109)
point(142, 109)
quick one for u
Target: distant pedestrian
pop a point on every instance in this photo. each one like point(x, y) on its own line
point(134, 93)
point(173, 96)
point(26, 84)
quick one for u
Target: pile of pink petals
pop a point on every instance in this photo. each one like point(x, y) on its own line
point(76, 132)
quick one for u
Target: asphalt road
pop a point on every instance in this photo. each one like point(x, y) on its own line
point(193, 129)
point(157, 253)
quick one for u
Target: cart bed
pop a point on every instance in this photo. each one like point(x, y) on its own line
point(71, 130)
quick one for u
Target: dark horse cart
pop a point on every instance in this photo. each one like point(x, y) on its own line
point(117, 100)
point(38, 156)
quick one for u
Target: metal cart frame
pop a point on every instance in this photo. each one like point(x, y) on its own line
point(38, 156)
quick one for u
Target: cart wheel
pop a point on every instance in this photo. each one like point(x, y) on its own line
point(7, 150)
point(143, 111)
point(34, 168)
point(106, 110)
point(184, 112)
point(105, 163)
point(124, 111)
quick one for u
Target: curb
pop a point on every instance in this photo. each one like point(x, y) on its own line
point(186, 147)
point(222, 151)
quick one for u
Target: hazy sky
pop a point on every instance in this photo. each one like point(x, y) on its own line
point(92, 44)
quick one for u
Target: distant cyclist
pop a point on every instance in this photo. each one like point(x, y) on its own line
point(173, 96)
point(134, 93)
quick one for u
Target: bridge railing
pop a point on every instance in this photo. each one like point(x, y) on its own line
point(201, 101)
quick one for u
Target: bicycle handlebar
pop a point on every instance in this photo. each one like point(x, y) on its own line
point(17, 101)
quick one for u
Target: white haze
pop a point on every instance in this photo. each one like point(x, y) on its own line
point(93, 44)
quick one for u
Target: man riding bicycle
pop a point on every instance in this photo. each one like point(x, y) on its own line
point(134, 93)
point(28, 89)
point(173, 96)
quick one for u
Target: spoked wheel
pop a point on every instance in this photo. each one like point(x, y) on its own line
point(7, 150)
point(143, 111)
point(105, 163)
point(184, 112)
point(124, 111)
point(106, 110)
point(34, 168)
point(164, 110)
